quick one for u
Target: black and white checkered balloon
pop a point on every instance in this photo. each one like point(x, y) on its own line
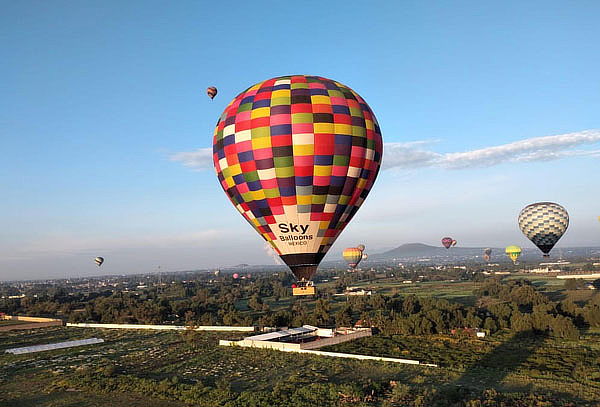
point(544, 223)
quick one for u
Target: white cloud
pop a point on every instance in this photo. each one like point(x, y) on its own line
point(532, 149)
point(415, 154)
point(200, 159)
point(406, 155)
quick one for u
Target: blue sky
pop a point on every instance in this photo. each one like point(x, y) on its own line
point(100, 99)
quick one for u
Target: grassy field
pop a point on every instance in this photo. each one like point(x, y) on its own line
point(505, 362)
point(456, 291)
point(559, 369)
point(48, 378)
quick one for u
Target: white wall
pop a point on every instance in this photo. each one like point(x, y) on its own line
point(165, 327)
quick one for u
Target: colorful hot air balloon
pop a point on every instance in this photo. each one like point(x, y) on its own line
point(448, 242)
point(297, 156)
point(235, 276)
point(544, 223)
point(99, 260)
point(211, 91)
point(353, 256)
point(513, 252)
point(361, 247)
point(487, 253)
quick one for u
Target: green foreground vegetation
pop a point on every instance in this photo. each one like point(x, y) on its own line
point(180, 369)
point(542, 347)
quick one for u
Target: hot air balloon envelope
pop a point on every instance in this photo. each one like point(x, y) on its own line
point(211, 91)
point(544, 223)
point(353, 256)
point(447, 242)
point(297, 156)
point(487, 253)
point(99, 261)
point(513, 252)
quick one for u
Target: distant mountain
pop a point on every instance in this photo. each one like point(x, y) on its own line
point(424, 250)
point(241, 266)
point(413, 250)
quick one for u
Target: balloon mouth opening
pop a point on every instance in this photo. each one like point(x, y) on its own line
point(303, 265)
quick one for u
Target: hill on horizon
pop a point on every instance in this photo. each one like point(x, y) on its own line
point(421, 249)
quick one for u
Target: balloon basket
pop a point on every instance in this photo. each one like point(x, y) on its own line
point(304, 290)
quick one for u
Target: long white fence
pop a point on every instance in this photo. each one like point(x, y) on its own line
point(295, 347)
point(166, 327)
point(364, 357)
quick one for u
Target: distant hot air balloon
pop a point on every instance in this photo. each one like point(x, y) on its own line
point(99, 261)
point(544, 223)
point(361, 247)
point(513, 252)
point(448, 242)
point(365, 256)
point(487, 253)
point(211, 91)
point(235, 276)
point(353, 256)
point(297, 156)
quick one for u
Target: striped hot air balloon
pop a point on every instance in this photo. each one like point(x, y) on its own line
point(211, 91)
point(99, 260)
point(513, 252)
point(353, 256)
point(297, 156)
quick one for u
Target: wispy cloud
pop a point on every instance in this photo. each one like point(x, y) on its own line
point(416, 154)
point(410, 155)
point(200, 159)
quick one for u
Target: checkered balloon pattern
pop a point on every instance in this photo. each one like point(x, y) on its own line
point(544, 223)
point(297, 156)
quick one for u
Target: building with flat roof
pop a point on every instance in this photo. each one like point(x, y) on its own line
point(304, 337)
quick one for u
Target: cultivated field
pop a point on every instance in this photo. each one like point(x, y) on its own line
point(147, 368)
